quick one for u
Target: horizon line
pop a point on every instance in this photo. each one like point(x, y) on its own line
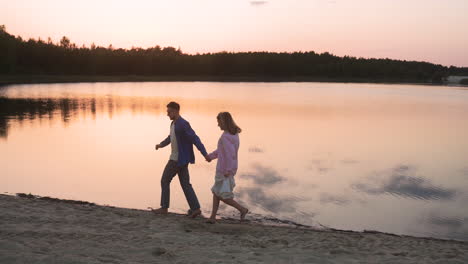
point(83, 45)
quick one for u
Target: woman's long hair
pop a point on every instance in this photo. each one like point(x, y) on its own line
point(229, 123)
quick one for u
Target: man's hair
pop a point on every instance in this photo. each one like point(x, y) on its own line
point(174, 105)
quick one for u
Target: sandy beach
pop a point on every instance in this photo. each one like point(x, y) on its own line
point(47, 230)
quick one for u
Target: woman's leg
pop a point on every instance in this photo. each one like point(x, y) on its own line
point(214, 211)
point(236, 205)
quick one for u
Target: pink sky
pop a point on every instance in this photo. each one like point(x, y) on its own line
point(427, 30)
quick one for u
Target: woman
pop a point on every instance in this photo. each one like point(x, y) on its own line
point(226, 168)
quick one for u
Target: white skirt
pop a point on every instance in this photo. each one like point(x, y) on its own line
point(223, 186)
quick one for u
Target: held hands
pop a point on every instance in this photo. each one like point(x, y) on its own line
point(207, 158)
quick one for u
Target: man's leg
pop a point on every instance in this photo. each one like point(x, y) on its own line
point(169, 172)
point(190, 195)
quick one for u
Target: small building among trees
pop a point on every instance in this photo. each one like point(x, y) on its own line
point(453, 79)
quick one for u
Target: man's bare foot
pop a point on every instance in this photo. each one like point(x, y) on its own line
point(160, 211)
point(243, 213)
point(211, 220)
point(195, 213)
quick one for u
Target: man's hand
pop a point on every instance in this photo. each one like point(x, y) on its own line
point(207, 158)
point(158, 147)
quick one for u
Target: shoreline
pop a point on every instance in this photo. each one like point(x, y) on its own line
point(48, 230)
point(273, 222)
point(39, 78)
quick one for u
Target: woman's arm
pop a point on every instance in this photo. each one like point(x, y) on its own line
point(213, 155)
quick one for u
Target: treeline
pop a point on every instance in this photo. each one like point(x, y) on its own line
point(18, 56)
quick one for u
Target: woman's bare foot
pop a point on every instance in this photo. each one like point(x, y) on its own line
point(195, 213)
point(211, 220)
point(159, 211)
point(243, 213)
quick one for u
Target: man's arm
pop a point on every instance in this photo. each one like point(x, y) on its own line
point(164, 143)
point(194, 139)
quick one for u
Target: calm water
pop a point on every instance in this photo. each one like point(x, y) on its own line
point(392, 158)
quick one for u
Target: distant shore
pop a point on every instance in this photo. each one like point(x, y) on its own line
point(49, 230)
point(37, 78)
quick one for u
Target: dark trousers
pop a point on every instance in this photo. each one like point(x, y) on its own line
point(170, 171)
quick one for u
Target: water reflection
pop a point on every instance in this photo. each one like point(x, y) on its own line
point(403, 181)
point(260, 198)
point(263, 176)
point(320, 166)
point(451, 226)
point(256, 150)
point(68, 109)
point(388, 158)
point(259, 193)
point(334, 199)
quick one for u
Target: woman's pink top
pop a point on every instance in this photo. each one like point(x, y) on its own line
point(228, 146)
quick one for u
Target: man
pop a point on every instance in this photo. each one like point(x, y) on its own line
point(182, 138)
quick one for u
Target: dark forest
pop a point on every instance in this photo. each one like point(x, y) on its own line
point(43, 57)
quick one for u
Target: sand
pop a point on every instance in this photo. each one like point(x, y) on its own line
point(36, 230)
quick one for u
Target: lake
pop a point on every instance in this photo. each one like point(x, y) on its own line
point(392, 158)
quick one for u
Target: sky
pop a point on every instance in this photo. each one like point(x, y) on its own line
point(424, 30)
